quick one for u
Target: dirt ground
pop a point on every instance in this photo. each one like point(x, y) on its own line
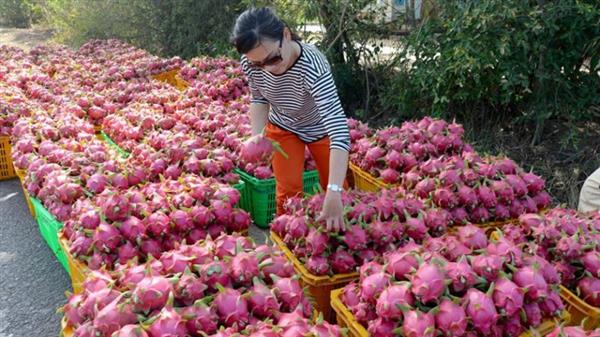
point(24, 38)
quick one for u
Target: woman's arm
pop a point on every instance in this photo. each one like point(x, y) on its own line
point(324, 92)
point(259, 113)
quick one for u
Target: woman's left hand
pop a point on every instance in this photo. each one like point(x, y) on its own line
point(333, 211)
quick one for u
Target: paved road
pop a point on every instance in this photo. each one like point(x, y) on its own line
point(32, 282)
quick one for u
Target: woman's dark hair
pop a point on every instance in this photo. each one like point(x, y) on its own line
point(255, 25)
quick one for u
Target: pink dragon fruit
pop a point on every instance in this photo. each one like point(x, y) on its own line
point(351, 295)
point(533, 281)
point(392, 299)
point(107, 238)
point(232, 307)
point(382, 328)
point(418, 324)
point(342, 262)
point(552, 305)
point(214, 273)
point(317, 241)
point(244, 267)
point(355, 238)
point(168, 323)
point(569, 331)
point(481, 310)
point(189, 288)
point(533, 314)
point(317, 265)
point(373, 285)
point(451, 319)
point(152, 292)
point(472, 236)
point(508, 297)
point(461, 274)
point(288, 291)
point(131, 330)
point(487, 266)
point(115, 207)
point(114, 316)
point(200, 318)
point(262, 301)
point(590, 290)
point(591, 262)
point(428, 283)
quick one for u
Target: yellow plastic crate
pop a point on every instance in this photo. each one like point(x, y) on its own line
point(579, 310)
point(345, 319)
point(319, 287)
point(7, 170)
point(363, 181)
point(172, 77)
point(65, 330)
point(21, 175)
point(78, 270)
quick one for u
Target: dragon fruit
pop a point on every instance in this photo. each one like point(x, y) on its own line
point(508, 297)
point(131, 330)
point(232, 307)
point(451, 319)
point(189, 288)
point(472, 236)
point(591, 262)
point(168, 323)
point(481, 310)
point(533, 314)
point(372, 286)
point(487, 266)
point(342, 262)
point(152, 292)
point(461, 274)
point(288, 291)
point(317, 241)
point(114, 316)
point(382, 328)
point(428, 283)
point(590, 290)
point(392, 299)
point(530, 279)
point(418, 324)
point(262, 302)
point(317, 265)
point(244, 267)
point(355, 238)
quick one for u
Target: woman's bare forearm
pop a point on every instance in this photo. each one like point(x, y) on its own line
point(258, 117)
point(338, 164)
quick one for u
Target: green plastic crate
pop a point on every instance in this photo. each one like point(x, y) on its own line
point(261, 194)
point(114, 145)
point(244, 197)
point(49, 228)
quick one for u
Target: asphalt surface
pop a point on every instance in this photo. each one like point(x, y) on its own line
point(32, 282)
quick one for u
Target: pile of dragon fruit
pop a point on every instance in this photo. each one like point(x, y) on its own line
point(486, 289)
point(430, 158)
point(377, 223)
point(218, 287)
point(569, 241)
point(116, 225)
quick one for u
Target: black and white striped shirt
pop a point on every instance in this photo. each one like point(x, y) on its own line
point(304, 99)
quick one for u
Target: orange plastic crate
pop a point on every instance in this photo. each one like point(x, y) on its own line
point(319, 287)
point(78, 270)
point(7, 170)
point(363, 181)
point(345, 319)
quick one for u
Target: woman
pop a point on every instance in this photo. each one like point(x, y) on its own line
point(295, 103)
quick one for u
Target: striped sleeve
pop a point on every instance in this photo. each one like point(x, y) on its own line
point(326, 98)
point(257, 97)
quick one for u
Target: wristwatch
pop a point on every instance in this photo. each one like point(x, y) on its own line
point(334, 188)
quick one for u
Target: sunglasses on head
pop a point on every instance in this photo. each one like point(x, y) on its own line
point(273, 60)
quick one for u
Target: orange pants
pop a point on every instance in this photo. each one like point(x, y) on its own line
point(288, 171)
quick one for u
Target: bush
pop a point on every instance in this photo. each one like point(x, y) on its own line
point(501, 58)
point(185, 28)
point(19, 13)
